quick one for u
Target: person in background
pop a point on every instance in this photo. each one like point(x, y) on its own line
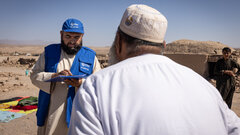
point(145, 93)
point(225, 76)
point(67, 58)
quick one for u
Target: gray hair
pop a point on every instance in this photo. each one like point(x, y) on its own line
point(136, 46)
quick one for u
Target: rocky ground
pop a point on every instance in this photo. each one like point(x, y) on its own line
point(14, 60)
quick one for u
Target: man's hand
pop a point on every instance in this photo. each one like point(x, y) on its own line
point(229, 72)
point(64, 72)
point(74, 82)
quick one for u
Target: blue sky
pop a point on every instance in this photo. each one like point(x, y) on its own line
point(203, 20)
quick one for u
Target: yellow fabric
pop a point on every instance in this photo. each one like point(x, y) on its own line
point(4, 106)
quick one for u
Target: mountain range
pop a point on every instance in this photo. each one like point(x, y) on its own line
point(24, 42)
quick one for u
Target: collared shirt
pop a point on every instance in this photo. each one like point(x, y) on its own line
point(150, 95)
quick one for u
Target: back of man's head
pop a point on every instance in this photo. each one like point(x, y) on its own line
point(144, 22)
point(142, 29)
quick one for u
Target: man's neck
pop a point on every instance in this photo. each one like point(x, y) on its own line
point(145, 50)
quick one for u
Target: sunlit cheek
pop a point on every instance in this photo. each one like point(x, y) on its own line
point(79, 41)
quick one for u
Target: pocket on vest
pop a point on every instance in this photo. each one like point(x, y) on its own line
point(85, 67)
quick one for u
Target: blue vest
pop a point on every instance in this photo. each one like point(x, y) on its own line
point(82, 65)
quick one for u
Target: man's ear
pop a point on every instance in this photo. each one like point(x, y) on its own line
point(164, 44)
point(61, 32)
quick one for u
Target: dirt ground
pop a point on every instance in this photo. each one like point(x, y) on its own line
point(14, 83)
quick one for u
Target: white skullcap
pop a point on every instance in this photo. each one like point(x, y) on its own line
point(144, 22)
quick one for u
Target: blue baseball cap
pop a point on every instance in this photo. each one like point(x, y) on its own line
point(73, 25)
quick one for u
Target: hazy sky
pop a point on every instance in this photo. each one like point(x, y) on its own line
point(204, 20)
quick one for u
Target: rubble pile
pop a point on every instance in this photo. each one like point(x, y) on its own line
point(237, 55)
point(30, 62)
point(9, 62)
point(103, 60)
point(237, 85)
point(10, 81)
point(186, 46)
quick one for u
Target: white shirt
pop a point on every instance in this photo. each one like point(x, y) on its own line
point(150, 95)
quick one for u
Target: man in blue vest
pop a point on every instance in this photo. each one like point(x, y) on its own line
point(67, 58)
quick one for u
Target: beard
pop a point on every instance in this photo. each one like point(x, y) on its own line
point(112, 57)
point(70, 51)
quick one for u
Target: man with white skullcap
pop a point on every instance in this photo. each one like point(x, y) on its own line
point(145, 93)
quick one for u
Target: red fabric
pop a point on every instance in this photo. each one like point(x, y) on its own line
point(25, 108)
point(22, 98)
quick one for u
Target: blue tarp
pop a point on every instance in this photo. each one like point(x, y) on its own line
point(6, 116)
